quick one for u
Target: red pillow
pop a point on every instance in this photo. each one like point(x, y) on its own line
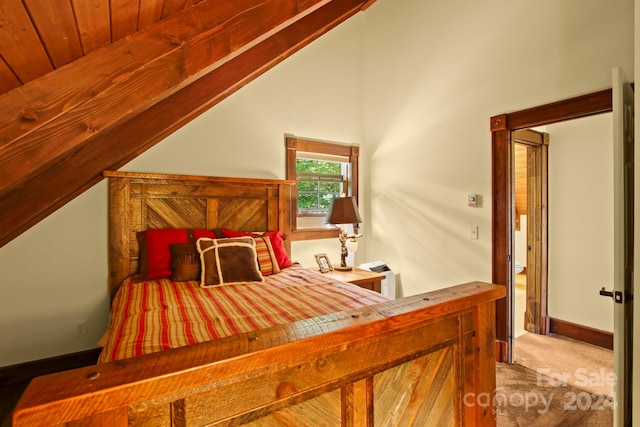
point(155, 252)
point(277, 242)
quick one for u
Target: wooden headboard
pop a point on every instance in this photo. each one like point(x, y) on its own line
point(140, 201)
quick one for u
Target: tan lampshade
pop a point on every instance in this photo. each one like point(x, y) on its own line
point(344, 210)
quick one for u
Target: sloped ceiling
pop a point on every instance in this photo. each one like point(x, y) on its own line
point(87, 85)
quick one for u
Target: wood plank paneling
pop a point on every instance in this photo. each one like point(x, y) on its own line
point(20, 44)
point(171, 7)
point(154, 415)
point(140, 201)
point(94, 24)
point(484, 355)
point(116, 417)
point(124, 18)
point(56, 26)
point(357, 403)
point(150, 13)
point(419, 392)
point(127, 79)
point(520, 182)
point(62, 31)
point(44, 191)
point(8, 80)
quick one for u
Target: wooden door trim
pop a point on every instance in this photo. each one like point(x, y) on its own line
point(501, 186)
point(537, 227)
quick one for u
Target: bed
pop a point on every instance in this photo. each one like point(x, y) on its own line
point(335, 355)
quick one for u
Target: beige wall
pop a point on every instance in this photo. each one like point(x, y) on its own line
point(413, 82)
point(581, 220)
point(435, 72)
point(56, 274)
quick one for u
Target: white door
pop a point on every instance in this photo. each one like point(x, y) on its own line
point(623, 212)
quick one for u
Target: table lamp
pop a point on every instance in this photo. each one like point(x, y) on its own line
point(344, 210)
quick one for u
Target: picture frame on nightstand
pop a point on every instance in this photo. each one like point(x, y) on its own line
point(323, 263)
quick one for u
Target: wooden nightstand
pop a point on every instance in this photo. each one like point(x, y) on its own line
point(363, 278)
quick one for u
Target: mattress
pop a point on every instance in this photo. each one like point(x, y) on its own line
point(158, 315)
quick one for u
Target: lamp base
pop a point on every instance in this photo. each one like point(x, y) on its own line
point(340, 268)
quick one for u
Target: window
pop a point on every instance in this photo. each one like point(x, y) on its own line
point(319, 181)
point(322, 171)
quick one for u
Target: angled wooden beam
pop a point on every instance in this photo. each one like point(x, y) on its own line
point(99, 91)
point(51, 154)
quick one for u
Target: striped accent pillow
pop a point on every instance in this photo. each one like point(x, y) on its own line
point(267, 260)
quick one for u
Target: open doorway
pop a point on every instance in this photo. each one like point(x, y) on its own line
point(530, 235)
point(518, 261)
point(564, 202)
point(502, 127)
point(503, 258)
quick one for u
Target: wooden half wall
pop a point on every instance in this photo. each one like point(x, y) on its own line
point(425, 360)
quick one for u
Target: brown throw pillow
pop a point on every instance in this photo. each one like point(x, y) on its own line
point(228, 261)
point(185, 262)
point(155, 255)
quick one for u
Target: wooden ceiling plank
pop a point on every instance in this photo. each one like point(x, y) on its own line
point(124, 18)
point(93, 21)
point(38, 102)
point(137, 89)
point(171, 7)
point(53, 187)
point(20, 45)
point(150, 13)
point(56, 25)
point(8, 79)
point(61, 91)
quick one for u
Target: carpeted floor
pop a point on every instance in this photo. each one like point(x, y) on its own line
point(525, 398)
point(582, 365)
point(556, 381)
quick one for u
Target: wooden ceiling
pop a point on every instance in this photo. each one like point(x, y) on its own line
point(87, 85)
point(39, 36)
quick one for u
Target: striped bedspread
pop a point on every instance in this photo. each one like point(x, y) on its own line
point(160, 314)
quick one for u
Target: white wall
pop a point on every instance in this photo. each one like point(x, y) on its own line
point(56, 273)
point(581, 220)
point(520, 242)
point(435, 72)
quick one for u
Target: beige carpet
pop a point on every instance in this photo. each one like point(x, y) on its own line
point(525, 399)
point(579, 364)
point(555, 381)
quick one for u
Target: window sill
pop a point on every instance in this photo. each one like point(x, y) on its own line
point(314, 233)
